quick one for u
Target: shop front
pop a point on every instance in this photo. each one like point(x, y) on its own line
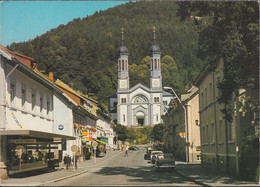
point(28, 150)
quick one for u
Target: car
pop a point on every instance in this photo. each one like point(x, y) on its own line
point(166, 162)
point(147, 155)
point(133, 148)
point(158, 154)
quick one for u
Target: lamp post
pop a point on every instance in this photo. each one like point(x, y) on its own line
point(185, 120)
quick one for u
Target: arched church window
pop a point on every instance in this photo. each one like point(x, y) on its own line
point(124, 100)
point(124, 118)
point(155, 64)
point(158, 63)
point(151, 63)
point(157, 99)
point(123, 64)
point(154, 99)
point(140, 99)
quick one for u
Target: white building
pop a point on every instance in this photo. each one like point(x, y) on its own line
point(140, 104)
point(27, 119)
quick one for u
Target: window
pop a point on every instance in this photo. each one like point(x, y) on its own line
point(155, 64)
point(212, 132)
point(123, 65)
point(119, 64)
point(203, 135)
point(207, 134)
point(33, 100)
point(198, 157)
point(156, 99)
point(124, 118)
point(48, 105)
point(157, 117)
point(123, 100)
point(165, 102)
point(230, 131)
point(12, 92)
point(220, 130)
point(41, 103)
point(201, 100)
point(23, 96)
point(158, 63)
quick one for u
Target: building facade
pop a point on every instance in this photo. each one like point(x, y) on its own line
point(224, 144)
point(27, 128)
point(175, 131)
point(139, 105)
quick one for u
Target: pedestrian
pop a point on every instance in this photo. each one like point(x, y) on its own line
point(76, 160)
point(66, 161)
point(153, 158)
point(126, 150)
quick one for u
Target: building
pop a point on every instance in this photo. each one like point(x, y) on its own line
point(139, 105)
point(175, 131)
point(228, 147)
point(27, 117)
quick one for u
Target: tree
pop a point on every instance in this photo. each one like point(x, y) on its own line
point(229, 32)
point(158, 132)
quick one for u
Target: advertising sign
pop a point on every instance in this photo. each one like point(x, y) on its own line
point(90, 136)
point(84, 133)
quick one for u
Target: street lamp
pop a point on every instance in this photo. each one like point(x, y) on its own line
point(185, 120)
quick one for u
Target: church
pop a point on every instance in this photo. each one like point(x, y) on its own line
point(139, 105)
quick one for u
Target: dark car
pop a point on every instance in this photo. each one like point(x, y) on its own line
point(133, 148)
point(167, 161)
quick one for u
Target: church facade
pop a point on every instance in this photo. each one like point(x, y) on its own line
point(139, 105)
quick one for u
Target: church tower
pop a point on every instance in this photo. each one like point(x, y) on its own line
point(123, 75)
point(155, 65)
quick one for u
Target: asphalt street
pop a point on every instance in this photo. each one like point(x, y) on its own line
point(121, 170)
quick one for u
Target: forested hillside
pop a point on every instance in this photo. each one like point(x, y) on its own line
point(84, 52)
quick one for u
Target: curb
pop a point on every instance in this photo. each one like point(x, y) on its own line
point(189, 178)
point(76, 174)
point(63, 178)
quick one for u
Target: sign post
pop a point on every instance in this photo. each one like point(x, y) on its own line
point(74, 149)
point(95, 144)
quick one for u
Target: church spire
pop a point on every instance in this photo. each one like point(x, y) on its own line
point(154, 38)
point(122, 40)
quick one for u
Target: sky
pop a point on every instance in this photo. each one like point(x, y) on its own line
point(24, 20)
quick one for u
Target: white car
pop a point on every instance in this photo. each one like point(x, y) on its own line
point(158, 154)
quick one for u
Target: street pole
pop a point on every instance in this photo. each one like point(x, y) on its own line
point(185, 121)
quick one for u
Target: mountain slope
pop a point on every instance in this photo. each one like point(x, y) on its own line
point(84, 52)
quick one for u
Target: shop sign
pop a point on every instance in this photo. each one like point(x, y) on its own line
point(90, 136)
point(85, 139)
point(61, 127)
point(198, 148)
point(84, 133)
point(22, 141)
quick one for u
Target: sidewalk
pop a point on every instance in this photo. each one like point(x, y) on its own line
point(206, 177)
point(59, 174)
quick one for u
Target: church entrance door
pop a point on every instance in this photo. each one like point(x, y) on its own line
point(140, 118)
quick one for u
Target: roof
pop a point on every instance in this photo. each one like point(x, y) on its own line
point(167, 94)
point(139, 85)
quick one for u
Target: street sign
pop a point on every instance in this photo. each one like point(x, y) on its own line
point(95, 144)
point(84, 133)
point(74, 148)
point(61, 127)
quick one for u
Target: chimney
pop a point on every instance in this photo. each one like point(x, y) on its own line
point(51, 76)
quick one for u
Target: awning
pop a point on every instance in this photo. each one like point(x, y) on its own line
point(100, 141)
point(36, 134)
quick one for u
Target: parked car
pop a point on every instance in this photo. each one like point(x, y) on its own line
point(157, 154)
point(147, 155)
point(133, 148)
point(165, 162)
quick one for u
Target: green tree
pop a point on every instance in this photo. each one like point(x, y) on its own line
point(158, 132)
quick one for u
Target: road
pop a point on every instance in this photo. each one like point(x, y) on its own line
point(121, 170)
